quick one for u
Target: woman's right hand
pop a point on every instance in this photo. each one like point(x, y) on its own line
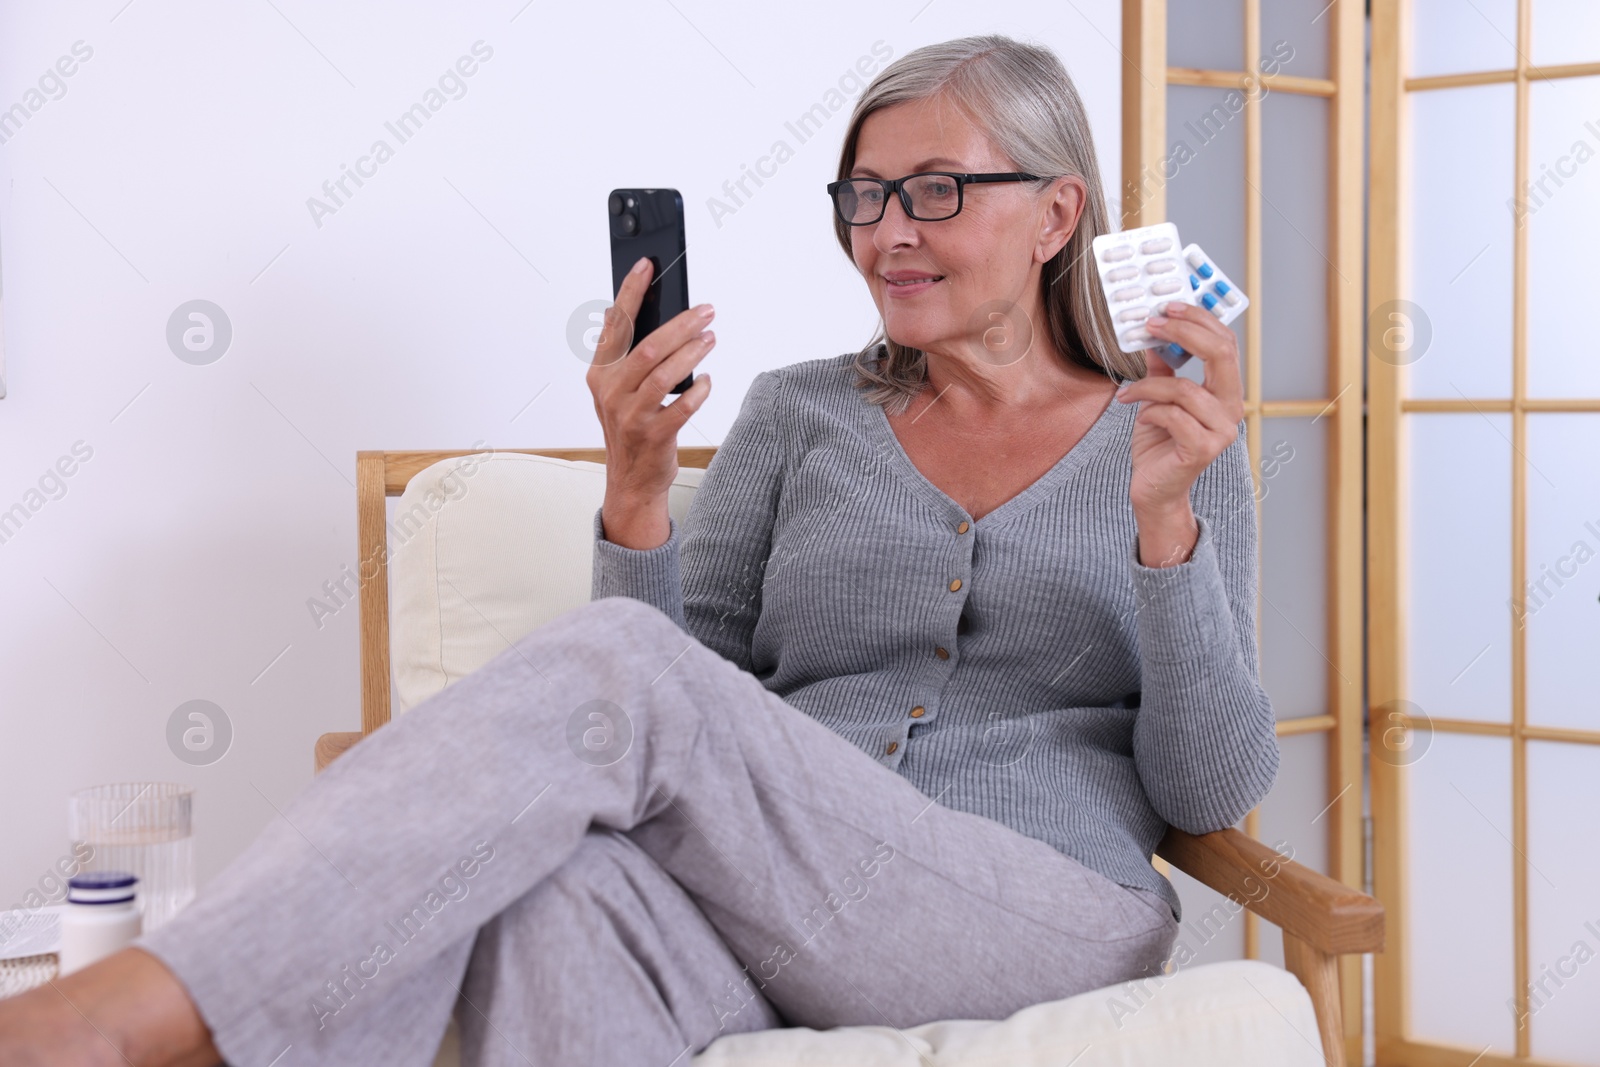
point(641, 433)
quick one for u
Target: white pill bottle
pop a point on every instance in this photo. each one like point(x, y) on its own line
point(102, 917)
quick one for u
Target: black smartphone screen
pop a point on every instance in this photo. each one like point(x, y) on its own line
point(649, 222)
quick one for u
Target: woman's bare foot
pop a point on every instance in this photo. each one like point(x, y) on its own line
point(126, 1009)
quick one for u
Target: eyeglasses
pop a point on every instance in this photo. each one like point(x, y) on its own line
point(928, 197)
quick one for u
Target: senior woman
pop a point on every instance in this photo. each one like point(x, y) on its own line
point(955, 627)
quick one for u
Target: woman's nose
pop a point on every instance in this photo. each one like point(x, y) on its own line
point(896, 227)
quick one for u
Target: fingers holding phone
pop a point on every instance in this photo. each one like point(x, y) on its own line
point(640, 375)
point(641, 434)
point(649, 224)
point(650, 343)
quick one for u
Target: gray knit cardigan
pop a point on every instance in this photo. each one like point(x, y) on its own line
point(1024, 666)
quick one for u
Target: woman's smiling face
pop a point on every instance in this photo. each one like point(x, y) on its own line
point(993, 250)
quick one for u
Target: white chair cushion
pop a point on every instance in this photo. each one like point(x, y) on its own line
point(1241, 1013)
point(483, 551)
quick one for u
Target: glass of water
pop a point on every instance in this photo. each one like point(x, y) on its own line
point(142, 827)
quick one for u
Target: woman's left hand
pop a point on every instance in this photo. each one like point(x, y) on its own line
point(1182, 425)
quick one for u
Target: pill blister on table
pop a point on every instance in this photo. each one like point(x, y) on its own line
point(1141, 270)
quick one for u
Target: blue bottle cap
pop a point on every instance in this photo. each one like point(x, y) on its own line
point(102, 880)
point(101, 887)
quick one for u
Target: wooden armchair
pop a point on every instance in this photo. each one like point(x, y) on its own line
point(1321, 918)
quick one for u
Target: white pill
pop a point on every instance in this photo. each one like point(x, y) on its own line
point(1122, 296)
point(1121, 274)
point(1117, 253)
point(1138, 314)
point(1166, 287)
point(1158, 244)
point(1196, 260)
point(1138, 333)
point(1161, 266)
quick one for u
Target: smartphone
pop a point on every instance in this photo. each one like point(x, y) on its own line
point(649, 222)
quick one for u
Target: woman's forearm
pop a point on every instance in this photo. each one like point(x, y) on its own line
point(1205, 740)
point(634, 523)
point(1166, 537)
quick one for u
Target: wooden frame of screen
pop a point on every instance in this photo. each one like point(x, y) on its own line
point(1145, 78)
point(1388, 404)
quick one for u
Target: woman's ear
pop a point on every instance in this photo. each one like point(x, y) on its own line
point(1063, 209)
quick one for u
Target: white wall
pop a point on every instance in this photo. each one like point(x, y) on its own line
point(426, 312)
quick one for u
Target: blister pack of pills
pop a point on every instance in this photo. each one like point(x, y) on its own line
point(1140, 270)
point(1213, 290)
point(1145, 268)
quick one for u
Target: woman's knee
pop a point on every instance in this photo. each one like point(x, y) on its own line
point(604, 865)
point(601, 630)
point(595, 865)
point(627, 613)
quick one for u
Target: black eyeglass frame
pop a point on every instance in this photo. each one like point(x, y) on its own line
point(897, 185)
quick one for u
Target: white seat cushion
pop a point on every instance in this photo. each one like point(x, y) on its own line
point(484, 549)
point(483, 552)
point(1241, 1013)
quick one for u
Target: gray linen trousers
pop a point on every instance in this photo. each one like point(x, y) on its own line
point(610, 846)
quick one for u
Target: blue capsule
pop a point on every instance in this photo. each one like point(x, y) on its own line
point(1209, 301)
point(1205, 270)
point(1194, 283)
point(1223, 288)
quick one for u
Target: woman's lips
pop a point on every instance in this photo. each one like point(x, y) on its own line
point(920, 286)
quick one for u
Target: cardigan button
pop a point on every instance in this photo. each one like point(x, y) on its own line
point(892, 746)
point(918, 712)
point(955, 584)
point(941, 653)
point(962, 527)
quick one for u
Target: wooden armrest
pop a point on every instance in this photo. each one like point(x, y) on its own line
point(331, 746)
point(1321, 919)
point(1325, 914)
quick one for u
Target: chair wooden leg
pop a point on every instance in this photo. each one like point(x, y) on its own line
point(1318, 971)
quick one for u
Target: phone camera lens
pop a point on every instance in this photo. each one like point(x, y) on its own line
point(616, 203)
point(630, 225)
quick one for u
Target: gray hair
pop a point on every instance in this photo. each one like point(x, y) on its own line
point(1022, 97)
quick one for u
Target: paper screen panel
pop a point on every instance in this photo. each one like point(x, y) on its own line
point(1294, 247)
point(1460, 276)
point(1459, 887)
point(1563, 902)
point(1205, 198)
point(1566, 31)
point(1298, 29)
point(1455, 37)
point(1561, 208)
point(1457, 565)
point(1208, 34)
point(1293, 614)
point(1562, 600)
